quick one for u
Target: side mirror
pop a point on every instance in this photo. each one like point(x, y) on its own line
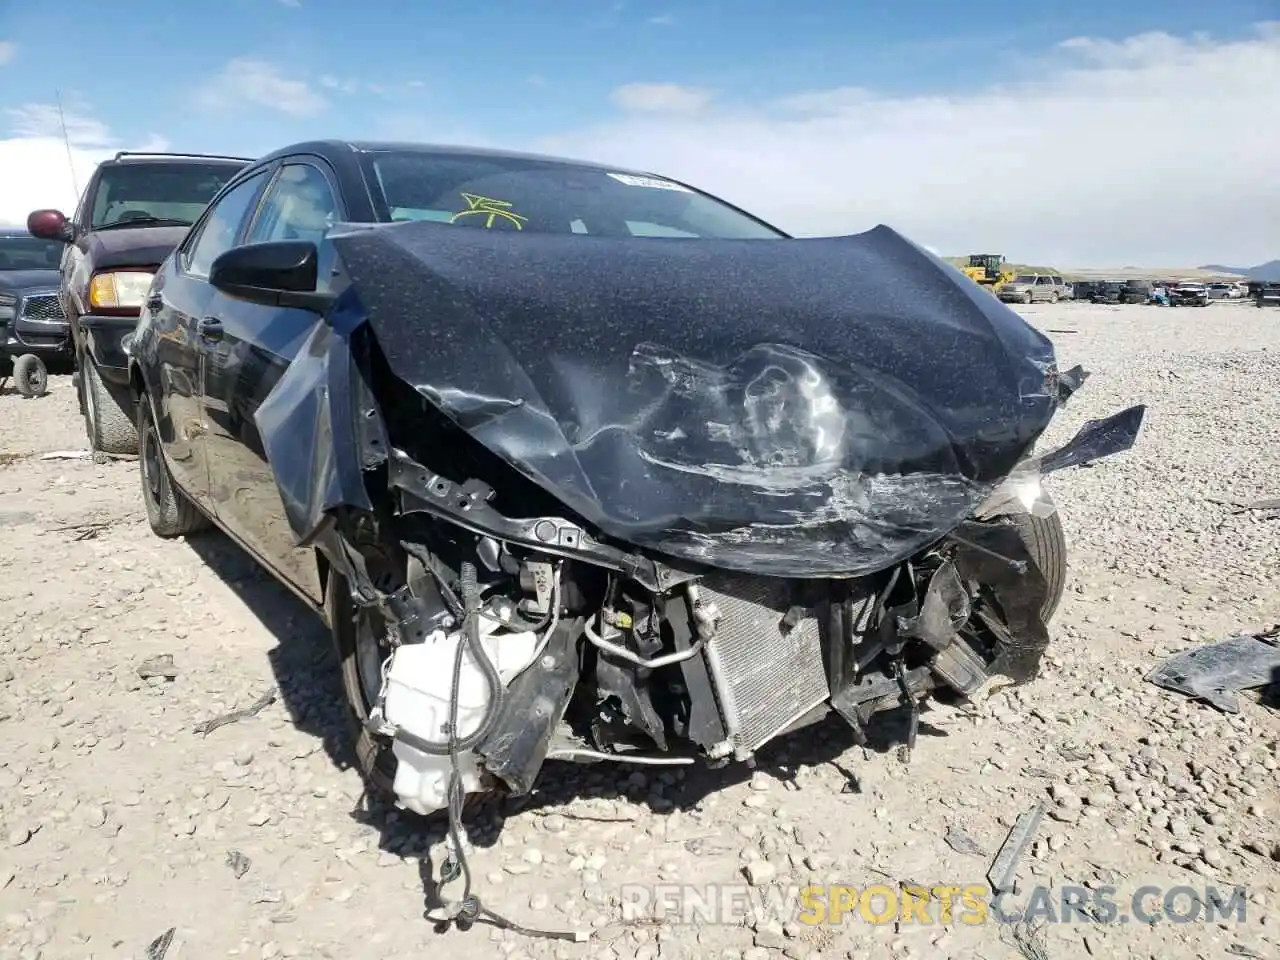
point(49, 225)
point(279, 273)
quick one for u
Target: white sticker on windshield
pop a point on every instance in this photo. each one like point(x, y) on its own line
point(652, 183)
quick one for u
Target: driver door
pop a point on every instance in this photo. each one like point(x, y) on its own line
point(254, 346)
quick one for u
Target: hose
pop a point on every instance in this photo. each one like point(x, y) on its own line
point(497, 691)
point(469, 906)
point(617, 650)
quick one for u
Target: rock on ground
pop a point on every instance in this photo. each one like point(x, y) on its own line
point(118, 822)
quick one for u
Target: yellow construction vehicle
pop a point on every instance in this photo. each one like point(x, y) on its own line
point(988, 270)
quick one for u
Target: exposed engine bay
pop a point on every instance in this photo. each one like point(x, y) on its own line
point(565, 651)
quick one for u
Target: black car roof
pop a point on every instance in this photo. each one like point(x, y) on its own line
point(323, 147)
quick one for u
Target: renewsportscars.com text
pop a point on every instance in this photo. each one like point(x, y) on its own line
point(970, 904)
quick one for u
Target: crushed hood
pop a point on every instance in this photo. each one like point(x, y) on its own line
point(794, 407)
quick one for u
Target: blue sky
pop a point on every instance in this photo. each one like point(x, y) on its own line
point(549, 74)
point(512, 70)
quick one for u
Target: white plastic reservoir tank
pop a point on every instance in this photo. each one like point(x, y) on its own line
point(419, 683)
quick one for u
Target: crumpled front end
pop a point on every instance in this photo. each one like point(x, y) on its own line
point(667, 499)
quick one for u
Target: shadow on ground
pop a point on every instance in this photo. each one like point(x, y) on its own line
point(303, 660)
point(307, 676)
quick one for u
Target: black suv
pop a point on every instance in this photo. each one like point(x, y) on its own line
point(31, 321)
point(136, 208)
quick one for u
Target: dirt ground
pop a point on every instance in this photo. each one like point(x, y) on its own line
point(118, 821)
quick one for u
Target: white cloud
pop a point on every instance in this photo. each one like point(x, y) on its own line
point(247, 80)
point(662, 20)
point(330, 82)
point(1156, 149)
point(8, 50)
point(661, 98)
point(40, 171)
point(291, 3)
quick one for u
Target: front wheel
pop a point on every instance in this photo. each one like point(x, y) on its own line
point(169, 511)
point(1046, 543)
point(1026, 298)
point(361, 641)
point(108, 425)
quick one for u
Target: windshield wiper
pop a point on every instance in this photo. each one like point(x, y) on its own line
point(145, 222)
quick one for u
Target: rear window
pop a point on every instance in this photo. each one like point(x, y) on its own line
point(141, 191)
point(541, 196)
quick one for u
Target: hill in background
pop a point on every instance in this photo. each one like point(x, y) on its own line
point(1263, 271)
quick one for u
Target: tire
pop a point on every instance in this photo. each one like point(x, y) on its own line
point(1053, 297)
point(1047, 545)
point(169, 511)
point(108, 425)
point(374, 759)
point(1026, 298)
point(30, 376)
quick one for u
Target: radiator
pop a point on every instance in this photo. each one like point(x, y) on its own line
point(764, 680)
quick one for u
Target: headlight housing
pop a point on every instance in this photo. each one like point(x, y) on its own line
point(119, 290)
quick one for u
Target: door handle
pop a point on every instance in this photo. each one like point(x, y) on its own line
point(210, 329)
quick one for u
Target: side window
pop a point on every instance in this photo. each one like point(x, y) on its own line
point(300, 205)
point(220, 227)
point(1058, 281)
point(1043, 281)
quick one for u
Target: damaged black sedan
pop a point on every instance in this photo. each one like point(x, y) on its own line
point(584, 463)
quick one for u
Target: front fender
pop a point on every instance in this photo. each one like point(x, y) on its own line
point(1023, 490)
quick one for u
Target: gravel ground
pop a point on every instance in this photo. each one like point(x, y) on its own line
point(118, 821)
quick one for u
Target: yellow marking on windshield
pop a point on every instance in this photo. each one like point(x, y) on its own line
point(488, 207)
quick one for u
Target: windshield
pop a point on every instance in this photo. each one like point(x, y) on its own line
point(29, 253)
point(541, 196)
point(143, 191)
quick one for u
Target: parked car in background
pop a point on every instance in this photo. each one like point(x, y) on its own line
point(1033, 288)
point(134, 210)
point(1265, 293)
point(31, 318)
point(446, 423)
point(1121, 291)
point(1223, 291)
point(1189, 293)
point(1108, 291)
point(1084, 289)
point(1136, 291)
